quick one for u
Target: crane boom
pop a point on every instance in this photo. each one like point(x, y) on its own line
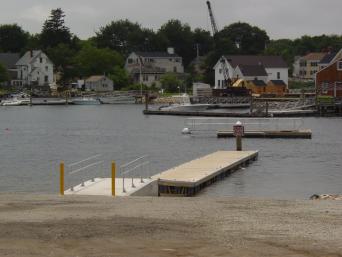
point(212, 18)
point(224, 67)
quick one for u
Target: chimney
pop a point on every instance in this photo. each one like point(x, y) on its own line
point(170, 50)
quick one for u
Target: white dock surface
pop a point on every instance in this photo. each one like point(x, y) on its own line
point(199, 170)
point(103, 187)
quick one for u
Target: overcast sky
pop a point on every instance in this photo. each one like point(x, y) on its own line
point(280, 18)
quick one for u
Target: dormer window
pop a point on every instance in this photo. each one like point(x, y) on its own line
point(339, 65)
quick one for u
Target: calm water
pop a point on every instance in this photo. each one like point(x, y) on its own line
point(34, 140)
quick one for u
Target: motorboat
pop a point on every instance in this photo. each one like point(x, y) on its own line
point(15, 102)
point(118, 99)
point(86, 101)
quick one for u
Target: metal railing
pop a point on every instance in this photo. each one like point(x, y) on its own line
point(81, 166)
point(131, 167)
point(213, 125)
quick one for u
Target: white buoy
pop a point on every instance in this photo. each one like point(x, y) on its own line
point(186, 131)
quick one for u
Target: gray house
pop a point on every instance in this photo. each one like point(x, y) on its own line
point(148, 67)
point(99, 84)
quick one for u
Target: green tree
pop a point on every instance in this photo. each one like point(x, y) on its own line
point(122, 36)
point(54, 31)
point(180, 37)
point(170, 82)
point(248, 39)
point(12, 38)
point(94, 61)
point(119, 77)
point(3, 73)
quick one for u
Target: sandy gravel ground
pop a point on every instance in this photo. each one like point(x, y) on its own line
point(45, 225)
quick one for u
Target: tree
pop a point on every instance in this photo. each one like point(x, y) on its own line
point(12, 38)
point(54, 31)
point(4, 77)
point(94, 61)
point(180, 37)
point(170, 82)
point(119, 77)
point(122, 36)
point(204, 40)
point(248, 39)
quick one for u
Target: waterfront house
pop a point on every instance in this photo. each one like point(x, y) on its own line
point(99, 84)
point(329, 58)
point(34, 68)
point(329, 79)
point(250, 67)
point(306, 67)
point(148, 67)
point(8, 60)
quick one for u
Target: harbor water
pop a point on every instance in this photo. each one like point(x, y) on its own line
point(33, 140)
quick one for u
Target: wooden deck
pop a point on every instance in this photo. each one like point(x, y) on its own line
point(189, 178)
point(305, 133)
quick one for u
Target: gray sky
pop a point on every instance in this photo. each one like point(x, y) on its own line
point(280, 18)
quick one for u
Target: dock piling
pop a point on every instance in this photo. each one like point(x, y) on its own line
point(113, 178)
point(61, 178)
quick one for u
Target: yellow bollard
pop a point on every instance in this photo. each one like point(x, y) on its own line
point(61, 182)
point(113, 178)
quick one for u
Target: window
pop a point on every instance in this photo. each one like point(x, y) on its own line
point(218, 82)
point(130, 60)
point(314, 64)
point(46, 79)
point(145, 77)
point(278, 75)
point(220, 71)
point(175, 69)
point(41, 60)
point(46, 68)
point(339, 65)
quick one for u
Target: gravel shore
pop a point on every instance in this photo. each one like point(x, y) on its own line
point(48, 225)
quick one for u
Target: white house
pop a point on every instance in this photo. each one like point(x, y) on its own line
point(34, 68)
point(148, 67)
point(99, 84)
point(250, 67)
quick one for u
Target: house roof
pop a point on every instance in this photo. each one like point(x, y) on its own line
point(313, 56)
point(253, 70)
point(328, 58)
point(259, 83)
point(268, 61)
point(30, 57)
point(9, 59)
point(156, 54)
point(278, 82)
point(95, 78)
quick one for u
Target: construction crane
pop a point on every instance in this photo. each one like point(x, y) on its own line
point(224, 67)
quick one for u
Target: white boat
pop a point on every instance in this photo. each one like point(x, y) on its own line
point(118, 99)
point(15, 102)
point(86, 101)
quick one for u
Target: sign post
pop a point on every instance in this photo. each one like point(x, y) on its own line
point(239, 131)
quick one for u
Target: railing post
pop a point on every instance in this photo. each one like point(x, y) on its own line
point(113, 178)
point(61, 178)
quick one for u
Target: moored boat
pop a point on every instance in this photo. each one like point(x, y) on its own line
point(85, 101)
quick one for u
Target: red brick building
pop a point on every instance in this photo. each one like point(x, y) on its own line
point(329, 80)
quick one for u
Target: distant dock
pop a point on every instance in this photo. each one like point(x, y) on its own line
point(305, 134)
point(190, 178)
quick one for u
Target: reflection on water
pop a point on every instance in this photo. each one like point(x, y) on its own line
point(34, 140)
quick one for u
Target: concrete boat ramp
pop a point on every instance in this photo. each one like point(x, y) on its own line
point(187, 179)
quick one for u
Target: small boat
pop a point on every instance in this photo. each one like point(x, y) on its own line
point(85, 101)
point(118, 99)
point(15, 102)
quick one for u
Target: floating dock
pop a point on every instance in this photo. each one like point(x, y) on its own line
point(190, 178)
point(305, 134)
